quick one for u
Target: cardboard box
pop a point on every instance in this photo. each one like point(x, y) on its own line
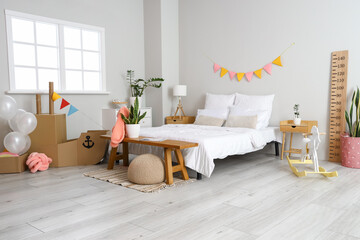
point(62, 154)
point(88, 149)
point(51, 129)
point(13, 164)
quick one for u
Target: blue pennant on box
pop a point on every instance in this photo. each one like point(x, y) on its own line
point(72, 110)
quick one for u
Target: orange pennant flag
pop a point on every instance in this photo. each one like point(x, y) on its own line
point(223, 72)
point(55, 96)
point(258, 73)
point(240, 76)
point(277, 61)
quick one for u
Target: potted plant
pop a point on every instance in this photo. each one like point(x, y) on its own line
point(297, 119)
point(137, 87)
point(132, 122)
point(350, 142)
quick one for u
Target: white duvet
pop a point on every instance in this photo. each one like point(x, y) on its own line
point(214, 142)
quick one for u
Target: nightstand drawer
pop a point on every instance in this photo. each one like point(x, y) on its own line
point(177, 120)
point(293, 128)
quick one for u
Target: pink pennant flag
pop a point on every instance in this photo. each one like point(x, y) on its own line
point(267, 68)
point(232, 74)
point(249, 75)
point(216, 67)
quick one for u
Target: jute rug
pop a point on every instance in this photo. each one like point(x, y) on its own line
point(119, 176)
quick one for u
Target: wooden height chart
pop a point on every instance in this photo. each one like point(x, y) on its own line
point(339, 68)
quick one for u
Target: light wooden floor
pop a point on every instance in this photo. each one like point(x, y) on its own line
point(248, 197)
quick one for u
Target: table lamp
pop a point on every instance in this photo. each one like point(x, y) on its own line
point(179, 91)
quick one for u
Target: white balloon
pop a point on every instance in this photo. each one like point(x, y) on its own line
point(8, 107)
point(15, 142)
point(13, 121)
point(26, 123)
point(27, 145)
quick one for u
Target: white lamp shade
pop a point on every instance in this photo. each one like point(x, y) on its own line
point(179, 91)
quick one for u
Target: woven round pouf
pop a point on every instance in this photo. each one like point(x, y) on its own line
point(146, 169)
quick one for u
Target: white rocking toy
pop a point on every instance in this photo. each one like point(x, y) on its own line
point(309, 156)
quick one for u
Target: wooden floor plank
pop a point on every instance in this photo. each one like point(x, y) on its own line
point(255, 196)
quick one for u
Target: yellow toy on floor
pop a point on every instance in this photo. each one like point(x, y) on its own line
point(309, 156)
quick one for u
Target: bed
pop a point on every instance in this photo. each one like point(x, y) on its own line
point(214, 143)
point(228, 125)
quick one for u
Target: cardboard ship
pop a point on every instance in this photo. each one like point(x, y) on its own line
point(50, 138)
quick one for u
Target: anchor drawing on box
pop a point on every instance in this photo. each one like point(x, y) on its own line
point(89, 143)
point(309, 156)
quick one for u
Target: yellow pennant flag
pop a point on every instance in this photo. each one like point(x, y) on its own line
point(55, 96)
point(240, 76)
point(258, 73)
point(277, 61)
point(223, 72)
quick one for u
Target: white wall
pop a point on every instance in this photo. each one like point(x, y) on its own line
point(161, 55)
point(170, 53)
point(123, 21)
point(246, 35)
point(153, 56)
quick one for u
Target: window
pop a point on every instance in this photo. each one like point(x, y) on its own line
point(43, 50)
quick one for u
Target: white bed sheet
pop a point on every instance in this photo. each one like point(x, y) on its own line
point(214, 142)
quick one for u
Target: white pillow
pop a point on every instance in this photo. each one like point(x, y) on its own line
point(216, 113)
point(262, 116)
point(216, 101)
point(256, 103)
point(253, 102)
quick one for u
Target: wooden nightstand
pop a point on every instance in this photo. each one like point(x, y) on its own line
point(288, 126)
point(177, 120)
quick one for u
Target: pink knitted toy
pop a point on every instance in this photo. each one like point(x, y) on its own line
point(38, 161)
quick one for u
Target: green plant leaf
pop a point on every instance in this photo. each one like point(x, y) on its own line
point(351, 108)
point(348, 122)
point(142, 116)
point(126, 120)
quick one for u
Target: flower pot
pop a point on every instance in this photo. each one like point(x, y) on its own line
point(350, 151)
point(297, 121)
point(132, 130)
point(132, 101)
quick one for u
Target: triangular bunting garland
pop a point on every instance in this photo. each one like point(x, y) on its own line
point(216, 67)
point(277, 61)
point(232, 74)
point(240, 76)
point(258, 73)
point(55, 96)
point(64, 103)
point(223, 72)
point(72, 110)
point(267, 68)
point(249, 75)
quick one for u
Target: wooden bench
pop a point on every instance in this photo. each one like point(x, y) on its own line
point(168, 145)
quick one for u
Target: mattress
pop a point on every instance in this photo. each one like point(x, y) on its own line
point(214, 143)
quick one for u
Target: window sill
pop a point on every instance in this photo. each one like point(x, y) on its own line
point(32, 92)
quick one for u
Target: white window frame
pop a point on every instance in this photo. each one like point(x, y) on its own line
point(60, 26)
